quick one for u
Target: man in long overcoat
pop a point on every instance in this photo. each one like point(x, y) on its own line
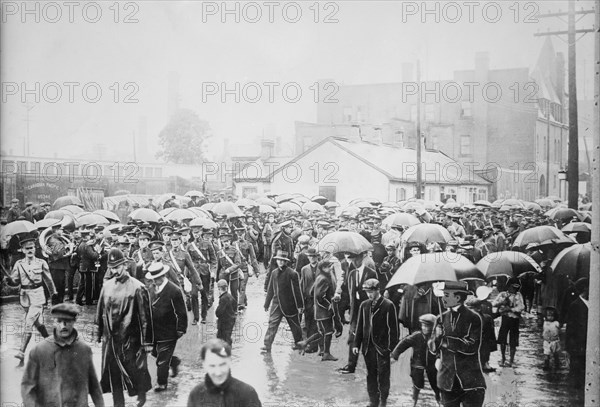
point(125, 328)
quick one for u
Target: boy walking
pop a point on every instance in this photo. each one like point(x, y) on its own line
point(226, 313)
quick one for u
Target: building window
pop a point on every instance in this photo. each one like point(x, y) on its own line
point(328, 192)
point(465, 145)
point(347, 114)
point(466, 109)
point(482, 194)
point(400, 194)
point(248, 191)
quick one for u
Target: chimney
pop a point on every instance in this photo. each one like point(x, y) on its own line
point(560, 76)
point(266, 148)
point(407, 72)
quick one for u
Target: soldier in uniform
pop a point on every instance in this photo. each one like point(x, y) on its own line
point(31, 272)
point(229, 265)
point(59, 265)
point(185, 237)
point(267, 237)
point(143, 255)
point(204, 258)
point(88, 253)
point(165, 232)
point(248, 256)
point(183, 265)
point(13, 212)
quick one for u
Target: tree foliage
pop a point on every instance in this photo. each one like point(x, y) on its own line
point(182, 139)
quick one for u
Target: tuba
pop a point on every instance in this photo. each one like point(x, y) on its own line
point(54, 246)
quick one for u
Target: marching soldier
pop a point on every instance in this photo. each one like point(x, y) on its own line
point(183, 265)
point(30, 272)
point(88, 253)
point(58, 260)
point(143, 255)
point(267, 237)
point(229, 265)
point(248, 256)
point(204, 258)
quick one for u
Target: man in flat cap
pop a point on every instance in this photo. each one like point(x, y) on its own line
point(13, 212)
point(457, 338)
point(60, 369)
point(377, 335)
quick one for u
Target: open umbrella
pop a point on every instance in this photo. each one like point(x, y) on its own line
point(284, 198)
point(202, 213)
point(538, 234)
point(311, 207)
point(350, 210)
point(573, 262)
point(401, 219)
point(363, 204)
point(204, 222)
point(497, 203)
point(451, 205)
point(319, 199)
point(562, 214)
point(331, 204)
point(246, 203)
point(431, 267)
point(108, 215)
point(166, 211)
point(228, 209)
point(192, 194)
point(180, 215)
point(390, 204)
point(554, 198)
point(266, 209)
point(208, 206)
point(66, 200)
point(72, 209)
point(91, 219)
point(145, 215)
point(344, 241)
point(289, 207)
point(18, 226)
point(545, 202)
point(426, 233)
point(577, 227)
point(507, 263)
point(532, 206)
point(412, 206)
point(513, 202)
point(267, 201)
point(482, 202)
point(46, 223)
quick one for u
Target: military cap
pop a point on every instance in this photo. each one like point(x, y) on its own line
point(497, 226)
point(226, 235)
point(14, 200)
point(26, 240)
point(123, 240)
point(166, 229)
point(371, 284)
point(286, 223)
point(206, 230)
point(282, 255)
point(143, 234)
point(184, 230)
point(176, 235)
point(156, 245)
point(390, 246)
point(304, 239)
point(115, 258)
point(28, 204)
point(65, 311)
point(312, 252)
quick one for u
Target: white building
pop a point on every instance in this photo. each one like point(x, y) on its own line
point(342, 170)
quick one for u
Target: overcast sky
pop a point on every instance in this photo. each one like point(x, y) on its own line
point(368, 44)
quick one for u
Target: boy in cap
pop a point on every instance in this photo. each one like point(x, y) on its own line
point(457, 338)
point(226, 313)
point(422, 360)
point(13, 212)
point(510, 305)
point(60, 369)
point(31, 273)
point(377, 335)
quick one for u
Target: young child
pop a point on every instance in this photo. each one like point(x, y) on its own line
point(550, 334)
point(422, 361)
point(226, 313)
point(488, 334)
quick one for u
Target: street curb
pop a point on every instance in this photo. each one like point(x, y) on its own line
point(9, 299)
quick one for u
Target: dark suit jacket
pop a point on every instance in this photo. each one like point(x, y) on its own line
point(169, 314)
point(379, 327)
point(459, 350)
point(284, 288)
point(227, 310)
point(323, 291)
point(576, 320)
point(353, 288)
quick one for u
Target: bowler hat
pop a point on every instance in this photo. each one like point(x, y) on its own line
point(312, 252)
point(115, 258)
point(460, 286)
point(156, 270)
point(65, 311)
point(282, 255)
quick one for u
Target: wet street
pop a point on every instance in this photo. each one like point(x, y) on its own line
point(288, 378)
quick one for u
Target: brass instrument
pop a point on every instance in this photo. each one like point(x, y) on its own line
point(60, 246)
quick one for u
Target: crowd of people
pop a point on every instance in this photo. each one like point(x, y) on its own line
point(149, 280)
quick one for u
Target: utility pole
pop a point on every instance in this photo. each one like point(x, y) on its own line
point(419, 169)
point(547, 186)
point(592, 372)
point(573, 160)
